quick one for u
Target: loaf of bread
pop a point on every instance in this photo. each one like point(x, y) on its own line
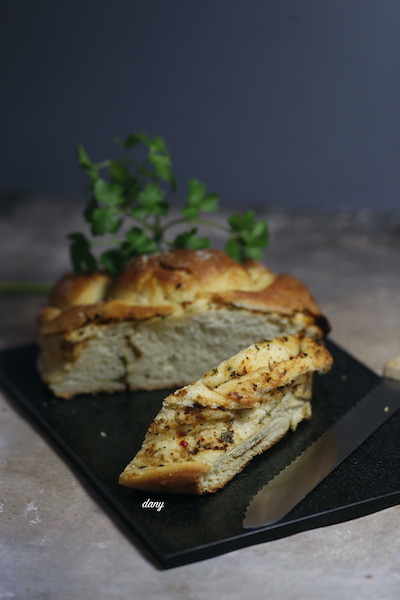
point(165, 320)
point(205, 433)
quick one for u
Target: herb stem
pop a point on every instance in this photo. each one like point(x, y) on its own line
point(12, 287)
point(115, 240)
point(211, 224)
point(172, 223)
point(140, 220)
point(157, 230)
point(103, 164)
point(196, 222)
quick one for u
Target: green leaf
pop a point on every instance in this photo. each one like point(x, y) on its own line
point(90, 207)
point(197, 191)
point(189, 239)
point(83, 158)
point(131, 140)
point(248, 236)
point(157, 144)
point(108, 193)
point(144, 172)
point(235, 250)
point(104, 220)
point(137, 242)
point(255, 253)
point(198, 200)
point(258, 234)
point(210, 203)
point(119, 172)
point(190, 212)
point(130, 185)
point(81, 256)
point(260, 229)
point(163, 167)
point(138, 212)
point(158, 156)
point(242, 222)
point(139, 138)
point(86, 164)
point(112, 260)
point(152, 199)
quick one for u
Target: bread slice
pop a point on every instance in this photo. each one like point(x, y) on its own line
point(205, 433)
point(165, 320)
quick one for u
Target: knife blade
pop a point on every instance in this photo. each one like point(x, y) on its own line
point(282, 493)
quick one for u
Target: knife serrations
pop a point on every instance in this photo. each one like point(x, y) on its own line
point(295, 481)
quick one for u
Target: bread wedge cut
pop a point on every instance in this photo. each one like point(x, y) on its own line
point(165, 320)
point(206, 432)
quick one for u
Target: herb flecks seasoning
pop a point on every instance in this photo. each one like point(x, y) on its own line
point(227, 436)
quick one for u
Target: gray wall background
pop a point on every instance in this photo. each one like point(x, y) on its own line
point(281, 103)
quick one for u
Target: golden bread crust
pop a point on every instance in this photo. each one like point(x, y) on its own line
point(54, 321)
point(174, 282)
point(181, 478)
point(73, 290)
point(285, 295)
point(179, 275)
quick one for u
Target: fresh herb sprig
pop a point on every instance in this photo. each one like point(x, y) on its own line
point(128, 208)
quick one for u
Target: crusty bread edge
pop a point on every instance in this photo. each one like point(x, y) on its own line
point(180, 478)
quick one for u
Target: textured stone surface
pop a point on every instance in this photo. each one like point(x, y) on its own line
point(58, 541)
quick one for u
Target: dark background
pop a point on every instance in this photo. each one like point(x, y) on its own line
point(280, 103)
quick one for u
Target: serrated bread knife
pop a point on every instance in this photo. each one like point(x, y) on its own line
point(293, 483)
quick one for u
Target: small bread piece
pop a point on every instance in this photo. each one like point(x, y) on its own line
point(205, 433)
point(165, 320)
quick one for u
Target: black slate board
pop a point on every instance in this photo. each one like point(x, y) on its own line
point(188, 529)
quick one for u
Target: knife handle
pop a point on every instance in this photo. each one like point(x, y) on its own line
point(391, 370)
